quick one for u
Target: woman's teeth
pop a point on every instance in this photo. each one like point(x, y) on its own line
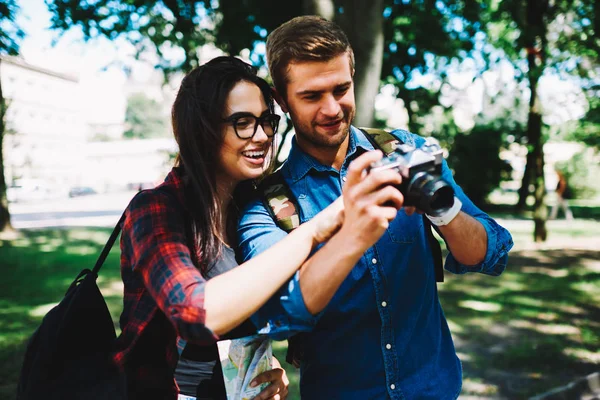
point(254, 154)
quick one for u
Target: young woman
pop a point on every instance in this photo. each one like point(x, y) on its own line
point(182, 292)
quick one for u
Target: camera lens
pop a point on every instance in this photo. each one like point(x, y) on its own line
point(432, 194)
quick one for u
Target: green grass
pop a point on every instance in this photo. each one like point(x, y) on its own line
point(535, 327)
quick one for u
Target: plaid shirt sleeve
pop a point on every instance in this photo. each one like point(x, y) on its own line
point(155, 228)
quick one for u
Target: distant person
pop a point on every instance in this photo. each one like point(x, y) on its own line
point(367, 299)
point(563, 194)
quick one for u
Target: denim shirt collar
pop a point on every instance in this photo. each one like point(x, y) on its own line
point(299, 163)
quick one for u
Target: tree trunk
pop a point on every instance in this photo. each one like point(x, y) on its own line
point(524, 190)
point(363, 23)
point(324, 8)
point(540, 211)
point(535, 36)
point(5, 225)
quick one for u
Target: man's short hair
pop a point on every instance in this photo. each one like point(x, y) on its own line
point(305, 38)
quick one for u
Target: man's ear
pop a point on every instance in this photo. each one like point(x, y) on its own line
point(279, 99)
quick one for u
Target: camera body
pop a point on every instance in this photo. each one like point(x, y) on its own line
point(422, 184)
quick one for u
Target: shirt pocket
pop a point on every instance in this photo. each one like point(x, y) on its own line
point(404, 228)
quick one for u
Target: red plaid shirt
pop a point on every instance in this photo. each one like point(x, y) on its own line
point(164, 291)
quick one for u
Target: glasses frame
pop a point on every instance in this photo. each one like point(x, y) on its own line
point(233, 119)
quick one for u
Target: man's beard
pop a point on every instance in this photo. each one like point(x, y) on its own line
point(309, 134)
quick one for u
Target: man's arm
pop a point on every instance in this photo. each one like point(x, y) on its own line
point(466, 239)
point(477, 243)
point(366, 217)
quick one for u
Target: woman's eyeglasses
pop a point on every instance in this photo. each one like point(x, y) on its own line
point(245, 125)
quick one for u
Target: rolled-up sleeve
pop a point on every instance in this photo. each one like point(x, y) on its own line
point(499, 240)
point(285, 313)
point(154, 236)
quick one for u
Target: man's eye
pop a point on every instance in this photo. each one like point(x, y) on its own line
point(341, 91)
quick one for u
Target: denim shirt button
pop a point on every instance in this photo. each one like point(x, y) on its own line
point(392, 386)
point(344, 178)
point(383, 304)
point(388, 346)
point(374, 261)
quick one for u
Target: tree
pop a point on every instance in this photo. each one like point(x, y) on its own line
point(388, 36)
point(558, 36)
point(144, 118)
point(588, 129)
point(10, 36)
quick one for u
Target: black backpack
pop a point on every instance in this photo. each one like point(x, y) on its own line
point(275, 192)
point(69, 356)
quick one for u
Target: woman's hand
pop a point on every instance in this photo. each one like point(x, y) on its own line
point(278, 389)
point(328, 221)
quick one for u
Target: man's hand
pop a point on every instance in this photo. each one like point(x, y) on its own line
point(278, 389)
point(370, 201)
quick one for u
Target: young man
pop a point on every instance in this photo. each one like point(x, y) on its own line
point(376, 326)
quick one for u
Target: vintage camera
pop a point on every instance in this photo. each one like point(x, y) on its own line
point(422, 184)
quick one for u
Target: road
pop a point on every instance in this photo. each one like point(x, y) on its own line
point(92, 210)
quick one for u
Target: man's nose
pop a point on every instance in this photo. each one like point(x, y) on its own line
point(330, 106)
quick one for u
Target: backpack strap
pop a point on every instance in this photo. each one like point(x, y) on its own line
point(387, 142)
point(382, 140)
point(280, 202)
point(109, 244)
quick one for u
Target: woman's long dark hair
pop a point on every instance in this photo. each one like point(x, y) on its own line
point(196, 117)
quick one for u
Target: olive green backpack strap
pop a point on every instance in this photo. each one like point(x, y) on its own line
point(387, 142)
point(382, 140)
point(282, 205)
point(280, 202)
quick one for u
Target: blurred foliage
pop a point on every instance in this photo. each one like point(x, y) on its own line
point(476, 162)
point(144, 118)
point(565, 33)
point(10, 34)
point(167, 26)
point(415, 32)
point(588, 129)
point(421, 39)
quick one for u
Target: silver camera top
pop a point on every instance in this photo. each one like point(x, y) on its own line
point(407, 156)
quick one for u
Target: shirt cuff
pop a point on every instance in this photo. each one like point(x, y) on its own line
point(294, 305)
point(499, 242)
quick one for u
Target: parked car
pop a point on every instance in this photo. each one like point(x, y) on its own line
point(77, 191)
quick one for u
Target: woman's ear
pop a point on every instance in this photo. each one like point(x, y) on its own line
point(279, 99)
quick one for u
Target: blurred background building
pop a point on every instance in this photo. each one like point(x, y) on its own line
point(60, 141)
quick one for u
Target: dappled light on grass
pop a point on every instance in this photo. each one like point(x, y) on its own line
point(454, 327)
point(583, 355)
point(479, 388)
point(527, 301)
point(554, 273)
point(552, 329)
point(81, 250)
point(548, 303)
point(533, 328)
point(95, 237)
point(480, 306)
point(41, 310)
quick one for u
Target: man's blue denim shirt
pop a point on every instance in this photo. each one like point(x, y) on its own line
point(384, 334)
